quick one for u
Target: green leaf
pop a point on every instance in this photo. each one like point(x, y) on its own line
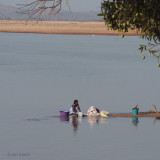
point(122, 36)
point(101, 14)
point(116, 5)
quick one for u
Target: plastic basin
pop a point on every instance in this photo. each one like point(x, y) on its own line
point(64, 113)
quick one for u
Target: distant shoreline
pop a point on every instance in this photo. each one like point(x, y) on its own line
point(59, 27)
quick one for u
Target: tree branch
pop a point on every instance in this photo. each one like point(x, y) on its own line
point(37, 8)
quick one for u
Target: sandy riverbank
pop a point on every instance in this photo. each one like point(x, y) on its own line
point(58, 27)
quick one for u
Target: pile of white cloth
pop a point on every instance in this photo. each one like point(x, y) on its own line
point(93, 111)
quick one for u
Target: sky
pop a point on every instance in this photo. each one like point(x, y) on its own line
point(76, 5)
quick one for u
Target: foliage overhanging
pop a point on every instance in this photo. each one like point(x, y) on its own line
point(143, 15)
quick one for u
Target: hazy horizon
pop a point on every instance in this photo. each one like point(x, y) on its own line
point(83, 5)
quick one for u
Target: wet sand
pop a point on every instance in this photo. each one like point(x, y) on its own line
point(59, 27)
point(140, 114)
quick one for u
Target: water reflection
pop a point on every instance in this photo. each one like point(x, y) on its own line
point(75, 120)
point(135, 121)
point(92, 120)
point(155, 119)
point(75, 123)
point(64, 118)
point(103, 120)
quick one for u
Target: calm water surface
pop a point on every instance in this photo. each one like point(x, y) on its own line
point(42, 74)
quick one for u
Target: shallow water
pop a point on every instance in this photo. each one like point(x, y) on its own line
point(42, 74)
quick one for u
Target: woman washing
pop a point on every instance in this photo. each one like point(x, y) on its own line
point(75, 108)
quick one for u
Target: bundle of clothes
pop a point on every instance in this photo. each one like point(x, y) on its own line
point(93, 111)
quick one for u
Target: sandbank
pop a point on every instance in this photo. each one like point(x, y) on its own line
point(59, 27)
